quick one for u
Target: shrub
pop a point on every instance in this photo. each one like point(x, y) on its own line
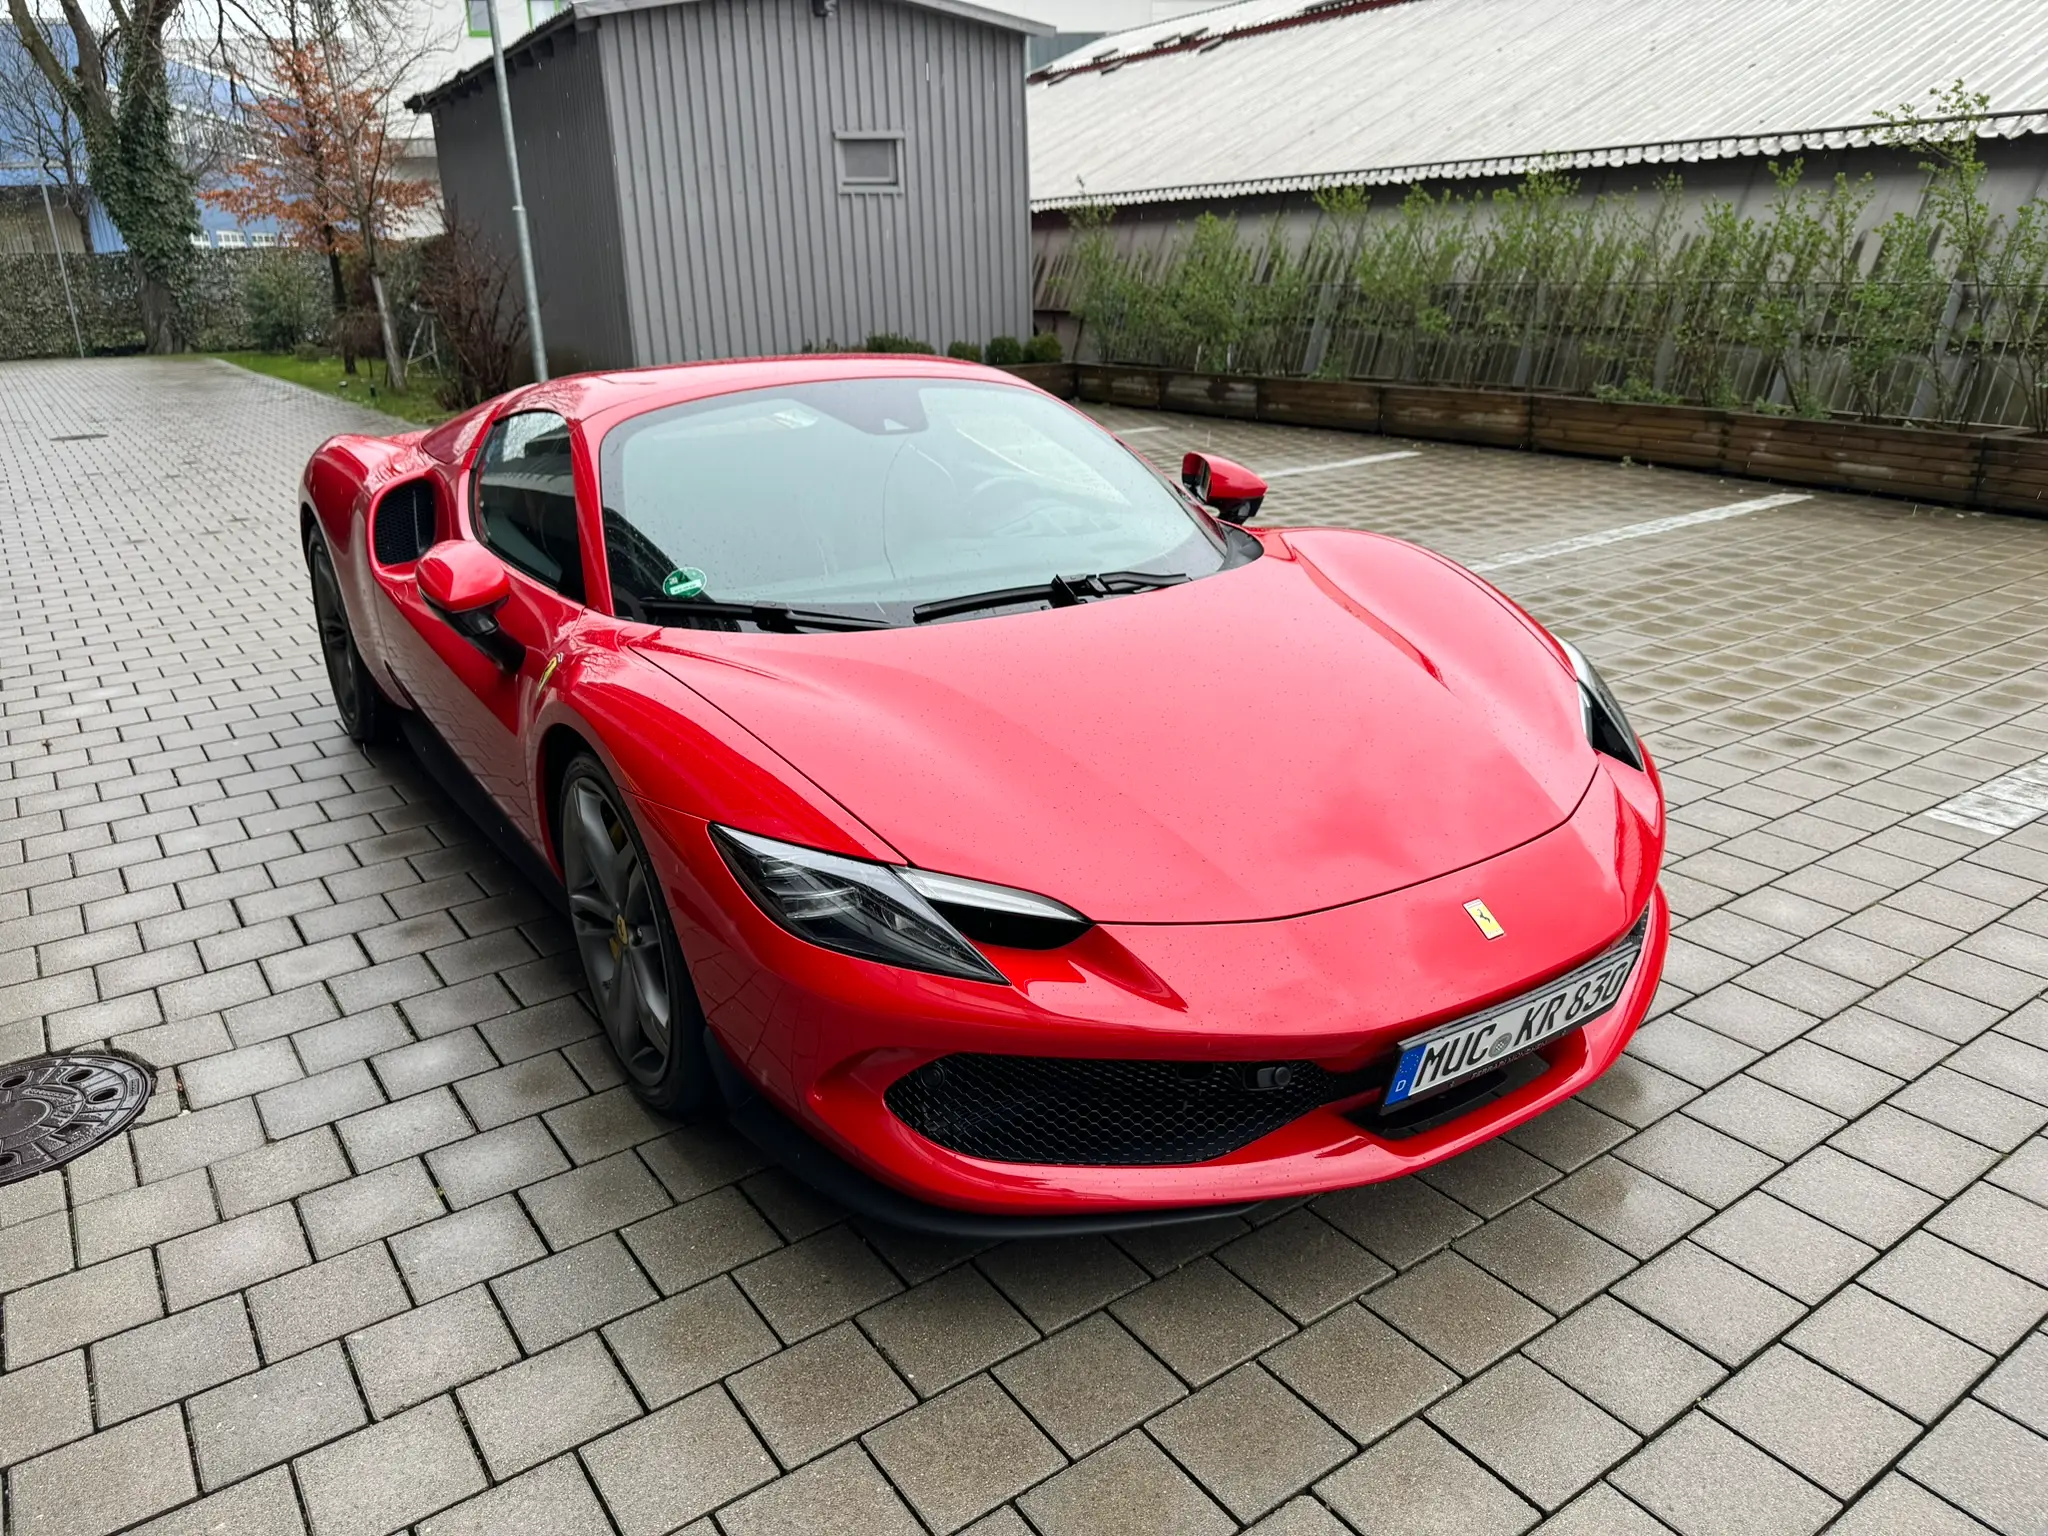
point(356, 332)
point(282, 296)
point(466, 284)
point(966, 351)
point(1042, 348)
point(1938, 313)
point(889, 341)
point(1005, 351)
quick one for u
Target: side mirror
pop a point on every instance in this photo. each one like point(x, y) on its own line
point(1224, 485)
point(466, 585)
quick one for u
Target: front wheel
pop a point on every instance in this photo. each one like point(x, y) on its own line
point(366, 714)
point(630, 955)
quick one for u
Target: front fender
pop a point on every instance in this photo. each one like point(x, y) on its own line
point(341, 484)
point(665, 745)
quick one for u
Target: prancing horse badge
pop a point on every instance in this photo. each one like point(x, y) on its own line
point(1488, 924)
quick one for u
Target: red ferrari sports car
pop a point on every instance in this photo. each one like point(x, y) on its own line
point(1006, 837)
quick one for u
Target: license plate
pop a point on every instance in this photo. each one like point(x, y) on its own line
point(1444, 1056)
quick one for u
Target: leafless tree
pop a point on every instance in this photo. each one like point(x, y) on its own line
point(113, 80)
point(38, 127)
point(109, 69)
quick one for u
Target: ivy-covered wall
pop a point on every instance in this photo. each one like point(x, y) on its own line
point(213, 314)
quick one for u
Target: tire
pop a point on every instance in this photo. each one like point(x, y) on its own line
point(366, 714)
point(638, 979)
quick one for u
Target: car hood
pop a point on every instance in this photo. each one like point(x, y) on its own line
point(1343, 717)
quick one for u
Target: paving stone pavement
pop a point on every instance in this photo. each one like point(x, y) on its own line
point(392, 1248)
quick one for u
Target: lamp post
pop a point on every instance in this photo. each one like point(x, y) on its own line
point(57, 249)
point(540, 352)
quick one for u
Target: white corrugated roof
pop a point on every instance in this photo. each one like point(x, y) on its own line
point(1390, 91)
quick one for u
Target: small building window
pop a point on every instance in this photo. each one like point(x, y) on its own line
point(870, 162)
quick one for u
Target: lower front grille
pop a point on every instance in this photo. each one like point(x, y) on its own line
point(1048, 1109)
point(1083, 1112)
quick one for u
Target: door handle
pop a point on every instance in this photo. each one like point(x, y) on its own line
point(480, 627)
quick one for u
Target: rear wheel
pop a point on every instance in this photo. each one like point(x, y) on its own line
point(366, 714)
point(630, 955)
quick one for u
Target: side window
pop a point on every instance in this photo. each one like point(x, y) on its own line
point(526, 500)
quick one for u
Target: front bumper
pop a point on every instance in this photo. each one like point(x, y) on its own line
point(839, 1180)
point(821, 1037)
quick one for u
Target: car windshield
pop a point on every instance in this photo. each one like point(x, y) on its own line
point(872, 496)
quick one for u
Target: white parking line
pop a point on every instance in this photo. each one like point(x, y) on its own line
point(2008, 801)
point(1316, 469)
point(1632, 531)
point(1134, 431)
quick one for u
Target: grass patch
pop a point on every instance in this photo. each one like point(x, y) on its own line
point(366, 386)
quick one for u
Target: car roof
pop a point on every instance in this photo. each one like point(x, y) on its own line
point(600, 400)
point(587, 397)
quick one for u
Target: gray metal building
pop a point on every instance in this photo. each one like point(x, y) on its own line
point(726, 178)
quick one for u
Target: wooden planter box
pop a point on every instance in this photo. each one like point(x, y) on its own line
point(1119, 386)
point(1893, 461)
point(1053, 378)
point(2005, 471)
point(1680, 436)
point(1350, 405)
point(2014, 477)
point(1495, 417)
point(1211, 394)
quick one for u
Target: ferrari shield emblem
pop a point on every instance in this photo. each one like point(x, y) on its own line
point(1487, 923)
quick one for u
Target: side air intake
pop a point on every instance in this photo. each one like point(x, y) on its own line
point(403, 526)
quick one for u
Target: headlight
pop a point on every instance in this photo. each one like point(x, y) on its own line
point(1606, 726)
point(884, 912)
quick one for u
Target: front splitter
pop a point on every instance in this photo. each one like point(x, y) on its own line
point(768, 1128)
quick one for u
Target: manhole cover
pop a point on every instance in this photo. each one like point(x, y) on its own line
point(52, 1108)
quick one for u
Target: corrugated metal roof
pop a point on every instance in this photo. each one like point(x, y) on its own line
point(1277, 96)
point(474, 74)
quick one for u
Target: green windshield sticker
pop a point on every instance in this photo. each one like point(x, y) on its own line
point(685, 581)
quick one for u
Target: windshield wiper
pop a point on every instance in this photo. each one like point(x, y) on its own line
point(1060, 592)
point(778, 618)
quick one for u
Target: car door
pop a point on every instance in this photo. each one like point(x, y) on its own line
point(523, 507)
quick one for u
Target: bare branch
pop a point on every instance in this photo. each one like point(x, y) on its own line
point(61, 80)
point(91, 70)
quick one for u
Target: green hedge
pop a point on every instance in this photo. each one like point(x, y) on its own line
point(35, 321)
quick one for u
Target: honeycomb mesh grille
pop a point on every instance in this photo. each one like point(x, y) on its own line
point(1038, 1109)
point(404, 526)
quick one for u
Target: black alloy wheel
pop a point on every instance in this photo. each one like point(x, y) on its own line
point(630, 955)
point(365, 713)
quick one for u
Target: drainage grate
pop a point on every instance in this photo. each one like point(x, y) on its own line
point(52, 1108)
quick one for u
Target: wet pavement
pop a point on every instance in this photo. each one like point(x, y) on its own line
point(392, 1248)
